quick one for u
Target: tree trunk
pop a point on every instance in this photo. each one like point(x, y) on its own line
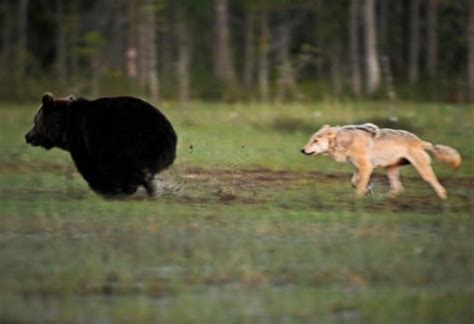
point(354, 48)
point(413, 65)
point(74, 37)
point(286, 83)
point(223, 61)
point(6, 39)
point(116, 48)
point(432, 51)
point(336, 68)
point(383, 22)
point(471, 52)
point(166, 44)
point(391, 95)
point(397, 45)
point(284, 67)
point(151, 51)
point(22, 49)
point(96, 72)
point(263, 65)
point(249, 49)
point(147, 50)
point(373, 66)
point(141, 56)
point(132, 42)
point(183, 64)
point(61, 46)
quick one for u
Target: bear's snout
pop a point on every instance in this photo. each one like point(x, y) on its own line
point(30, 138)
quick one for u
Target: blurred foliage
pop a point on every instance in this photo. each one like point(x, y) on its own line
point(100, 31)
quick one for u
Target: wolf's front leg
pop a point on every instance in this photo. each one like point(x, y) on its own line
point(365, 170)
point(355, 181)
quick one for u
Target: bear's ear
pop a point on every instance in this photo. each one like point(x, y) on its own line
point(47, 98)
point(71, 98)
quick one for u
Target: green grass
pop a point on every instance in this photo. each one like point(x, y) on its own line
point(248, 230)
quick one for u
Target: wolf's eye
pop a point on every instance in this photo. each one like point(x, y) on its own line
point(315, 141)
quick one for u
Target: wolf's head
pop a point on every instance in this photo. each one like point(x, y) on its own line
point(320, 141)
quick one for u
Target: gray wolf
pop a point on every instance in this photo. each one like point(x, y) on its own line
point(117, 143)
point(367, 147)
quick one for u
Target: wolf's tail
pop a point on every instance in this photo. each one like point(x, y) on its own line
point(444, 153)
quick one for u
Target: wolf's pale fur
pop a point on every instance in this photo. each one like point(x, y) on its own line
point(367, 147)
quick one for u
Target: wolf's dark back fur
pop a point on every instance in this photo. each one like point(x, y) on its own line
point(370, 128)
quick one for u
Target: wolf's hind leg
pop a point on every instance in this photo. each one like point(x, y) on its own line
point(355, 178)
point(422, 163)
point(393, 174)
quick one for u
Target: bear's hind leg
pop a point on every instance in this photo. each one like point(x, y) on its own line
point(150, 187)
point(129, 189)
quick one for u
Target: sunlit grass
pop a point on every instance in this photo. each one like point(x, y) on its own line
point(254, 232)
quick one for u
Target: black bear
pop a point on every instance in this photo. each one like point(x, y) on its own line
point(117, 143)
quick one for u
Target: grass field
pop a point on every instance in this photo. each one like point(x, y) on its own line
point(246, 230)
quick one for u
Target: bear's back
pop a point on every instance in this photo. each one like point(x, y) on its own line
point(122, 118)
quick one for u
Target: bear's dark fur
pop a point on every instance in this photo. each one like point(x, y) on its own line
point(117, 143)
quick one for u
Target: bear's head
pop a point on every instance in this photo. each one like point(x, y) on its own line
point(49, 125)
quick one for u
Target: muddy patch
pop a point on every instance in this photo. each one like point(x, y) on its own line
point(283, 189)
point(322, 191)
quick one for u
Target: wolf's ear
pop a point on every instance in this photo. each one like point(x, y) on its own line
point(47, 98)
point(332, 131)
point(324, 128)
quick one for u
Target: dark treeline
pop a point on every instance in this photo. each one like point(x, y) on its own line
point(239, 49)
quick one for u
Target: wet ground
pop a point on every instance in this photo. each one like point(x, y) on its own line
point(282, 188)
point(318, 190)
point(244, 229)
